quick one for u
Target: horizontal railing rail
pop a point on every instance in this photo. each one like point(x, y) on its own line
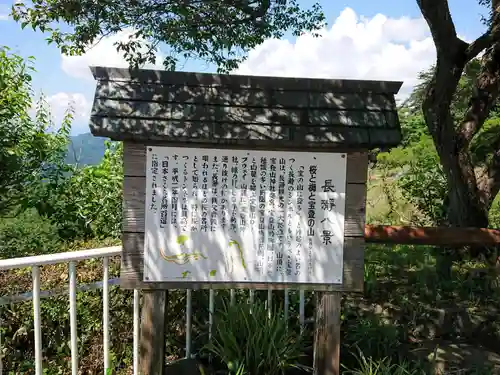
point(57, 258)
point(23, 297)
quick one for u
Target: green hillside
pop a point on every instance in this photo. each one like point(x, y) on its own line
point(85, 149)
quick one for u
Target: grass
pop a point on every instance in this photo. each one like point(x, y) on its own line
point(407, 312)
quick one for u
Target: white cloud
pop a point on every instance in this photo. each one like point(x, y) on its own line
point(103, 53)
point(59, 103)
point(354, 47)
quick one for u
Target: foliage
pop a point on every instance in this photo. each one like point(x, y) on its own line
point(420, 175)
point(369, 366)
point(214, 31)
point(87, 202)
point(28, 234)
point(424, 183)
point(486, 142)
point(248, 337)
point(29, 148)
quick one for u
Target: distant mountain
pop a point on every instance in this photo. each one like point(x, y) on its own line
point(85, 149)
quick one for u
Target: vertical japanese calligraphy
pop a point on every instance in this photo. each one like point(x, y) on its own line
point(237, 216)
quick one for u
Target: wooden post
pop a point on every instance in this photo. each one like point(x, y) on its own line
point(152, 349)
point(327, 334)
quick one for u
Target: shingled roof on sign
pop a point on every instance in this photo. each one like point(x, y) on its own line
point(154, 105)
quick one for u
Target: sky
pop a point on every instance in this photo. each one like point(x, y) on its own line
point(364, 39)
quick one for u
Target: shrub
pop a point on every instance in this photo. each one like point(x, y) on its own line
point(87, 202)
point(28, 234)
point(369, 366)
point(248, 340)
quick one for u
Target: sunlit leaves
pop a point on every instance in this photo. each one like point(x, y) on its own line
point(218, 32)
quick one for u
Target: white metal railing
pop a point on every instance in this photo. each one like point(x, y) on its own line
point(71, 258)
point(35, 262)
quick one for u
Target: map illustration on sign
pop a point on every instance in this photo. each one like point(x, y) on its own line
point(239, 216)
point(186, 257)
point(182, 258)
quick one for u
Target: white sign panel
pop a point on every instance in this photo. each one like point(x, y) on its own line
point(236, 216)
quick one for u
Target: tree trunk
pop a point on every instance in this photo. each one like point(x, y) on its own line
point(469, 199)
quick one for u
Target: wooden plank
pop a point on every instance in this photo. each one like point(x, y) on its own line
point(192, 112)
point(362, 118)
point(357, 167)
point(232, 135)
point(263, 82)
point(182, 132)
point(326, 359)
point(355, 210)
point(134, 195)
point(134, 156)
point(441, 236)
point(360, 101)
point(245, 144)
point(133, 259)
point(152, 341)
point(242, 96)
point(134, 159)
point(197, 113)
point(201, 95)
point(335, 135)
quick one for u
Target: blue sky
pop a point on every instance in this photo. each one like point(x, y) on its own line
point(384, 39)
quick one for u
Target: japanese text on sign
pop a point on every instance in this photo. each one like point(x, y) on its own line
point(239, 216)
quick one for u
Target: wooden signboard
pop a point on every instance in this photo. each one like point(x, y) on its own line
point(244, 182)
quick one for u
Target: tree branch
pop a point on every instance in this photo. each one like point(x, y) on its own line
point(246, 7)
point(437, 15)
point(480, 44)
point(485, 94)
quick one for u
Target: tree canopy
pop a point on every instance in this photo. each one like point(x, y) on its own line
point(216, 31)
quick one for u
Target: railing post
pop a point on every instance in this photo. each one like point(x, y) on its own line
point(189, 312)
point(326, 355)
point(269, 302)
point(232, 297)
point(302, 308)
point(72, 318)
point(1, 360)
point(137, 323)
point(36, 320)
point(105, 313)
point(287, 304)
point(152, 348)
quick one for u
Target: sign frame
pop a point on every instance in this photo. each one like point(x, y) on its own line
point(132, 276)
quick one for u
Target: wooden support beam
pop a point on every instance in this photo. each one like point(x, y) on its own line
point(437, 236)
point(327, 334)
point(152, 343)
